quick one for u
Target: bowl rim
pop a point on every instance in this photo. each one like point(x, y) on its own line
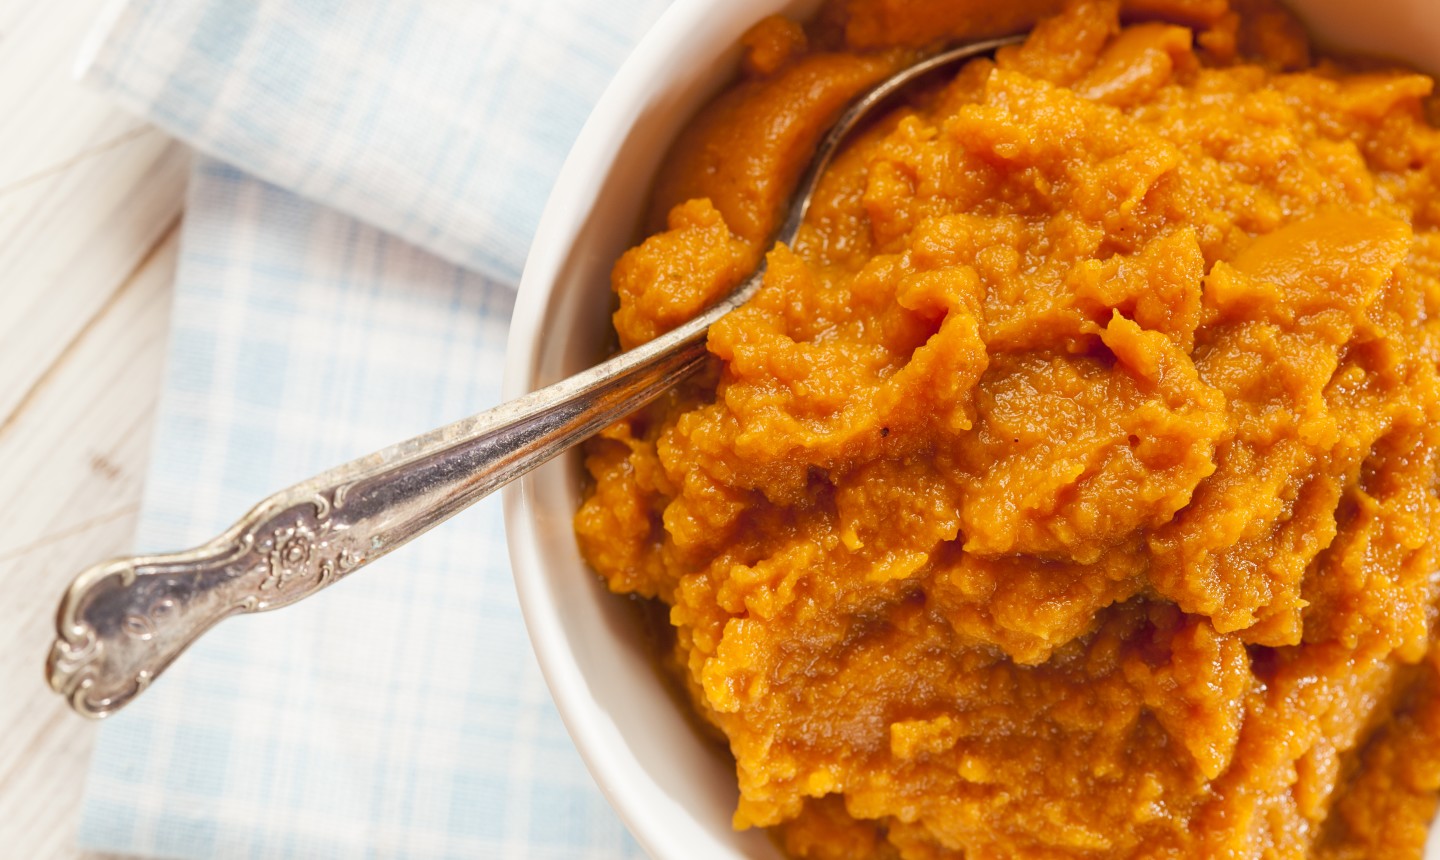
point(594, 150)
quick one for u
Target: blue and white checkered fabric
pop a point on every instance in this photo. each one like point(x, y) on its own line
point(399, 714)
point(441, 121)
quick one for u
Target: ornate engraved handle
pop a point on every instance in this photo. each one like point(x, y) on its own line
point(121, 623)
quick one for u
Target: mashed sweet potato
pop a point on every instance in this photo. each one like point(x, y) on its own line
point(1069, 488)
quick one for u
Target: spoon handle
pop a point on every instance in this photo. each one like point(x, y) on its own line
point(122, 622)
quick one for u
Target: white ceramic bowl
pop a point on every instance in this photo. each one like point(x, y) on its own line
point(675, 793)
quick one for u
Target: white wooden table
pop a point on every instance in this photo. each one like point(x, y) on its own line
point(90, 204)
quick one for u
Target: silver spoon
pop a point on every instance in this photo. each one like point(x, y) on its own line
point(122, 622)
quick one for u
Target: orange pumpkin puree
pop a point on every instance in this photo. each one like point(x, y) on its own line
point(1069, 489)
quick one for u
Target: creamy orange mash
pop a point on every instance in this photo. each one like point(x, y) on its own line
point(1069, 488)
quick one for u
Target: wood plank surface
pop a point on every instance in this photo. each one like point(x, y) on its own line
point(90, 203)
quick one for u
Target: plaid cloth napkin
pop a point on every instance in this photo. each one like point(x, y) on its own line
point(373, 170)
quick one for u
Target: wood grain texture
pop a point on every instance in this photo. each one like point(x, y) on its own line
point(90, 203)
